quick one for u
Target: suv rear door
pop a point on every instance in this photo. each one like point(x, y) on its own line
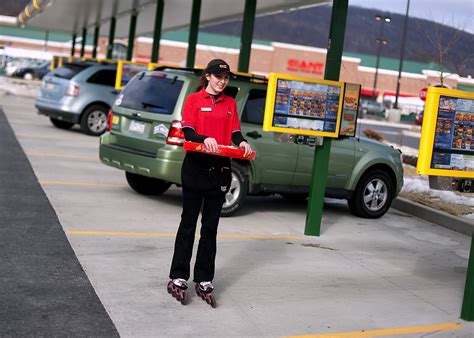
point(56, 82)
point(102, 83)
point(341, 162)
point(276, 161)
point(146, 108)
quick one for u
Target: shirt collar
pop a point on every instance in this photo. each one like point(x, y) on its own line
point(207, 95)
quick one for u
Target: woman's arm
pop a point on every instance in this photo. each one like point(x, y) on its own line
point(191, 135)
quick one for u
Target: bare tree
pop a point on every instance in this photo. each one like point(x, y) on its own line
point(444, 42)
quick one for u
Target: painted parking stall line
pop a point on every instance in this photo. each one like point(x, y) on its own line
point(158, 234)
point(63, 156)
point(83, 184)
point(387, 332)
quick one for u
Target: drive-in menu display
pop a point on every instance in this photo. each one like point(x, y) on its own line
point(453, 148)
point(305, 105)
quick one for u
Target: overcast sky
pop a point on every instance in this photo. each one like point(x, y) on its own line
point(461, 12)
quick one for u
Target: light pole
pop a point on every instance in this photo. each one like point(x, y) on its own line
point(381, 41)
point(402, 51)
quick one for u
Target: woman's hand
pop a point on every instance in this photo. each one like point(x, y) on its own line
point(246, 147)
point(211, 144)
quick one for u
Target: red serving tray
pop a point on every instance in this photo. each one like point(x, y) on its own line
point(227, 151)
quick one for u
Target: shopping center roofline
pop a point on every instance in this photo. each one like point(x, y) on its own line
point(71, 16)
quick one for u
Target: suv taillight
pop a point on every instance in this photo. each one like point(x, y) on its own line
point(73, 90)
point(109, 120)
point(175, 134)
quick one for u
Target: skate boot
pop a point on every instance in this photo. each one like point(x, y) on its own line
point(204, 290)
point(178, 288)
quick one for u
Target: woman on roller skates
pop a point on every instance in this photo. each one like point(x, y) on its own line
point(210, 117)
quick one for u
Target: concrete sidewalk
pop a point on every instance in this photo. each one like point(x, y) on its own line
point(398, 274)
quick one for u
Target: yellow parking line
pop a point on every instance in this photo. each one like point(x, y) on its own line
point(386, 332)
point(158, 234)
point(47, 137)
point(59, 155)
point(82, 184)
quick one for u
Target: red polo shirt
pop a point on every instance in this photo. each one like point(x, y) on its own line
point(216, 118)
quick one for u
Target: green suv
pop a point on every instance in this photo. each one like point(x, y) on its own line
point(145, 139)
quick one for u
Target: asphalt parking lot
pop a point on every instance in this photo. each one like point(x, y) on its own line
point(391, 276)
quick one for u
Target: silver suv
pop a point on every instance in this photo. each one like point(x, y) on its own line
point(81, 93)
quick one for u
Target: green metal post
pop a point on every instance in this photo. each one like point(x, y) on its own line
point(247, 35)
point(96, 40)
point(73, 47)
point(193, 33)
point(155, 50)
point(321, 154)
point(83, 42)
point(46, 39)
point(131, 34)
point(467, 312)
point(110, 46)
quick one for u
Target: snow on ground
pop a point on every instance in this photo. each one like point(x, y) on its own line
point(20, 87)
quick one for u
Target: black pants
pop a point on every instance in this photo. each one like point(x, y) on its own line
point(202, 187)
point(205, 260)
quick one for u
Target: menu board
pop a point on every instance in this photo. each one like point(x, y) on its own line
point(349, 109)
point(446, 145)
point(303, 106)
point(453, 135)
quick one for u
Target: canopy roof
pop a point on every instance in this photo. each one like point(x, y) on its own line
point(71, 16)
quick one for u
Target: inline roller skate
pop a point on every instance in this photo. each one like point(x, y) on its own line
point(204, 290)
point(178, 288)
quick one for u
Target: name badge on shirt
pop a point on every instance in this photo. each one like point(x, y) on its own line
point(206, 109)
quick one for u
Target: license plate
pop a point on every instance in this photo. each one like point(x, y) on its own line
point(137, 127)
point(50, 87)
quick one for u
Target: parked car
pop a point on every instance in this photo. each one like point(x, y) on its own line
point(81, 93)
point(419, 118)
point(372, 108)
point(32, 71)
point(145, 139)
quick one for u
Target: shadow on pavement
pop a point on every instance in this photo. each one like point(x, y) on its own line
point(44, 290)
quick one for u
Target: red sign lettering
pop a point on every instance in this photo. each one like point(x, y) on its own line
point(295, 65)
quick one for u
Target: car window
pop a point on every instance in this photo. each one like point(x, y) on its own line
point(231, 91)
point(152, 93)
point(103, 77)
point(254, 107)
point(69, 70)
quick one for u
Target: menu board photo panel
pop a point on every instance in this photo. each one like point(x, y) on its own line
point(446, 145)
point(303, 106)
point(350, 109)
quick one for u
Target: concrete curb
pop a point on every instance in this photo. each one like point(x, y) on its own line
point(435, 216)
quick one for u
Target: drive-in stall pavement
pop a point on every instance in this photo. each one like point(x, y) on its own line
point(398, 274)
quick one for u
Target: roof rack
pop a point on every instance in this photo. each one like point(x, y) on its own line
point(239, 75)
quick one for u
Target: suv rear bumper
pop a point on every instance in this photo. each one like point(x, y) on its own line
point(54, 112)
point(165, 165)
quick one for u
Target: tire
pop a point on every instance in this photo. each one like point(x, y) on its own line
point(146, 185)
point(28, 76)
point(237, 194)
point(94, 120)
point(295, 197)
point(61, 124)
point(373, 195)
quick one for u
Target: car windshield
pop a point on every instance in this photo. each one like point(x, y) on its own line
point(154, 92)
point(69, 70)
